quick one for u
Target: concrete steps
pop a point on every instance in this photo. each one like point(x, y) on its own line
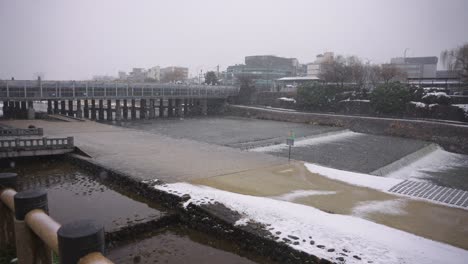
point(440, 194)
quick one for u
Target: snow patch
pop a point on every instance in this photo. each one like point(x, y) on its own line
point(286, 99)
point(242, 222)
point(368, 240)
point(309, 141)
point(418, 104)
point(301, 193)
point(354, 178)
point(435, 161)
point(391, 207)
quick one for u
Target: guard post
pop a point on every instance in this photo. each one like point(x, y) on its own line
point(290, 143)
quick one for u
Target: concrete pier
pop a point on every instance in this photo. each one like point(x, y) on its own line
point(56, 107)
point(49, 107)
point(70, 108)
point(93, 109)
point(109, 110)
point(125, 109)
point(63, 109)
point(143, 109)
point(170, 108)
point(152, 111)
point(118, 110)
point(86, 109)
point(133, 109)
point(161, 108)
point(101, 109)
point(79, 110)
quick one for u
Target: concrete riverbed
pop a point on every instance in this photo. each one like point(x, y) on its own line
point(226, 153)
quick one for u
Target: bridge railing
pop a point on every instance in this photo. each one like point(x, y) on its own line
point(15, 132)
point(35, 143)
point(26, 225)
point(35, 90)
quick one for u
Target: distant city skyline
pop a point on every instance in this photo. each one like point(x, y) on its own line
point(80, 39)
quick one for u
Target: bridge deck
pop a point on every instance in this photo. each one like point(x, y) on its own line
point(35, 90)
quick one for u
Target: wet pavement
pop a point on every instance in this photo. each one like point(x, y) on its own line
point(361, 153)
point(181, 245)
point(234, 132)
point(74, 194)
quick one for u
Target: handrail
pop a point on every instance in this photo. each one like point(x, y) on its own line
point(39, 90)
point(45, 228)
point(8, 132)
point(35, 143)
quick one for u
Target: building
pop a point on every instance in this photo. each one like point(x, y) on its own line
point(137, 75)
point(315, 69)
point(417, 67)
point(264, 70)
point(174, 74)
point(154, 73)
point(122, 76)
point(290, 84)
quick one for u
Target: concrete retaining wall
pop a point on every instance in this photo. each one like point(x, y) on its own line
point(452, 137)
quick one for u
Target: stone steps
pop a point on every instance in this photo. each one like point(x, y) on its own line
point(433, 192)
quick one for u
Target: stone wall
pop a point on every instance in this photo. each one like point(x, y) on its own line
point(452, 137)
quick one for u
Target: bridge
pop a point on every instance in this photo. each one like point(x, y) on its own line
point(110, 100)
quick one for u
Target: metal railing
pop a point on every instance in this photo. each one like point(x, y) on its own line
point(35, 143)
point(41, 90)
point(16, 132)
point(26, 225)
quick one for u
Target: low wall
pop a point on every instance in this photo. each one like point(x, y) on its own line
point(452, 137)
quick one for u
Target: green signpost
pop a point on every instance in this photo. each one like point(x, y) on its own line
point(290, 142)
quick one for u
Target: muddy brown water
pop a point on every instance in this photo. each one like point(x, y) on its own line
point(73, 193)
point(179, 244)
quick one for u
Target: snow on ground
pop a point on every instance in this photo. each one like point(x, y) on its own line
point(301, 193)
point(354, 178)
point(436, 161)
point(308, 228)
point(391, 207)
point(286, 99)
point(314, 140)
point(418, 104)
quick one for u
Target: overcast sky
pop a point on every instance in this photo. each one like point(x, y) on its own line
point(81, 38)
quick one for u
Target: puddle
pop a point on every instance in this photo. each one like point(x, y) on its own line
point(74, 194)
point(181, 245)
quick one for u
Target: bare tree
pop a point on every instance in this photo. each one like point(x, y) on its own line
point(457, 60)
point(357, 70)
point(389, 72)
point(336, 71)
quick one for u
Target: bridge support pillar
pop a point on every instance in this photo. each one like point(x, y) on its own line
point(125, 109)
point(186, 107)
point(109, 110)
point(93, 109)
point(143, 109)
point(31, 114)
point(118, 110)
point(70, 108)
point(6, 109)
point(178, 107)
point(86, 108)
point(170, 109)
point(63, 109)
point(79, 111)
point(17, 110)
point(204, 106)
point(49, 107)
point(152, 111)
point(56, 107)
point(133, 109)
point(161, 108)
point(101, 109)
point(24, 110)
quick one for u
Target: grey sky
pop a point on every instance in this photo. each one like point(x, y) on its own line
point(78, 39)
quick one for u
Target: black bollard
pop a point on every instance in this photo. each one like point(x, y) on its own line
point(78, 239)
